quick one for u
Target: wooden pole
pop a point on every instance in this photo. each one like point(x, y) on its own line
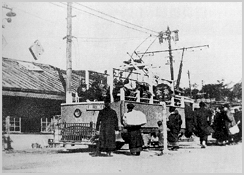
point(68, 54)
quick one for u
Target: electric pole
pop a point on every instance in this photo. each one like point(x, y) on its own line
point(168, 33)
point(68, 54)
point(189, 81)
point(167, 36)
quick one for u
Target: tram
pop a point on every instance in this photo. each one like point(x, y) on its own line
point(78, 119)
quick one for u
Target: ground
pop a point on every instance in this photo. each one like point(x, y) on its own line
point(188, 159)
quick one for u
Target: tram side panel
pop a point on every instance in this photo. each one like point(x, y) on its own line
point(153, 112)
point(81, 117)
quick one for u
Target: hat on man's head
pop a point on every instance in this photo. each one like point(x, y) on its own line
point(130, 106)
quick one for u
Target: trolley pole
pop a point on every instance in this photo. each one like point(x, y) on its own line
point(68, 54)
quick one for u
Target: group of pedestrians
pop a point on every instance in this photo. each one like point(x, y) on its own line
point(224, 119)
point(107, 128)
point(204, 124)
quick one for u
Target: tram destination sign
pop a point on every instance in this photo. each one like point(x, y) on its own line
point(95, 107)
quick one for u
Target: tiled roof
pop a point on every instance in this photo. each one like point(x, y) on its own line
point(31, 77)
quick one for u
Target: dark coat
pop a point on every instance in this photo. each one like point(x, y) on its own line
point(219, 126)
point(174, 124)
point(82, 94)
point(135, 138)
point(107, 122)
point(202, 122)
point(189, 117)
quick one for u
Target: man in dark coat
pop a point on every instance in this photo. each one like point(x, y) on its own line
point(107, 124)
point(202, 118)
point(219, 126)
point(189, 114)
point(174, 125)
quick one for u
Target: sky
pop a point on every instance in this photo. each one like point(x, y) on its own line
point(100, 44)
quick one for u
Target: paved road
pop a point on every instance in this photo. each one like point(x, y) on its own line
point(214, 159)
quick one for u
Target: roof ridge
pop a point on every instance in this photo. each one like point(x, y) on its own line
point(35, 63)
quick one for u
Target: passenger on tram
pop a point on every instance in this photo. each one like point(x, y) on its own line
point(82, 91)
point(117, 85)
point(94, 93)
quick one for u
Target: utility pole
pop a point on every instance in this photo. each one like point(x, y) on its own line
point(68, 54)
point(189, 81)
point(168, 34)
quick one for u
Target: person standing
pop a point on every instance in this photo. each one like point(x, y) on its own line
point(219, 126)
point(133, 120)
point(160, 135)
point(238, 118)
point(106, 126)
point(202, 116)
point(82, 91)
point(230, 123)
point(174, 125)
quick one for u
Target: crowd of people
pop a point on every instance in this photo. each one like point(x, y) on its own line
point(217, 123)
point(202, 122)
point(224, 119)
point(98, 91)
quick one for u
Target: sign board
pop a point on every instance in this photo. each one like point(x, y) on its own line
point(95, 107)
point(36, 50)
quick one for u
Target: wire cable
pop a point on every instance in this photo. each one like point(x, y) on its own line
point(110, 20)
point(116, 18)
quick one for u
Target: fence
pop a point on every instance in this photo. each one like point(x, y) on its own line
point(77, 131)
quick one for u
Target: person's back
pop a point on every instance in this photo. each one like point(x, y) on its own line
point(175, 121)
point(202, 115)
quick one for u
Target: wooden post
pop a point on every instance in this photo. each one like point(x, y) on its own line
point(182, 102)
point(151, 86)
point(122, 94)
point(138, 97)
point(164, 112)
point(87, 79)
point(9, 147)
point(68, 54)
point(7, 121)
point(111, 84)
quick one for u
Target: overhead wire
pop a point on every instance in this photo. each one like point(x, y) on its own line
point(119, 24)
point(109, 20)
point(115, 18)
